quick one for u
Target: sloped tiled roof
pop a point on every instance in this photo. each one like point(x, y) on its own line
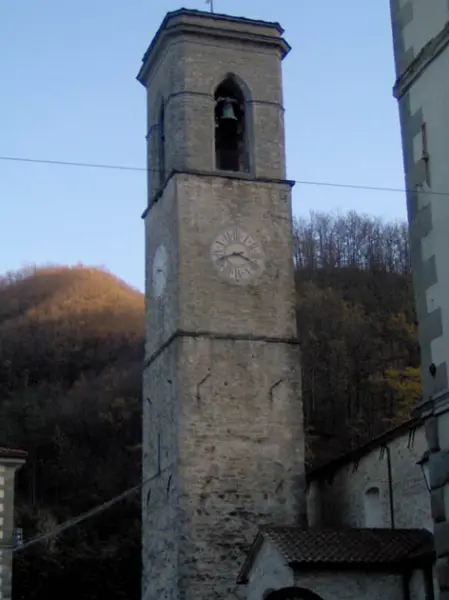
point(382, 548)
point(366, 546)
point(12, 454)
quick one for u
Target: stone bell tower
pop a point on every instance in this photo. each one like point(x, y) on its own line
point(223, 447)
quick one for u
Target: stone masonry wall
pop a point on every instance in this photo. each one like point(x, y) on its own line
point(268, 573)
point(341, 502)
point(266, 307)
point(241, 465)
point(184, 75)
point(223, 424)
point(353, 585)
point(221, 433)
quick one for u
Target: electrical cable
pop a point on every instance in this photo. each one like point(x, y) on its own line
point(87, 515)
point(104, 506)
point(330, 184)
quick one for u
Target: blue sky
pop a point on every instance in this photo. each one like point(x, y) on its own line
point(69, 93)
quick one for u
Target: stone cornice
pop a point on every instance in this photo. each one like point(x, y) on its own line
point(216, 174)
point(430, 51)
point(185, 22)
point(216, 335)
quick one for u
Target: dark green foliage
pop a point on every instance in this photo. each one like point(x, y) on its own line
point(356, 323)
point(71, 350)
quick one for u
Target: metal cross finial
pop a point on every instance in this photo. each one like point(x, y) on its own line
point(211, 4)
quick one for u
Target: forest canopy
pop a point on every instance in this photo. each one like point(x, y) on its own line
point(71, 354)
point(357, 327)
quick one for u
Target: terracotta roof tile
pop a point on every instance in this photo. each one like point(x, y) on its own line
point(349, 546)
point(12, 453)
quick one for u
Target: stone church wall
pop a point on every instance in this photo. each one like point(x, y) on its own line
point(353, 585)
point(357, 495)
point(269, 572)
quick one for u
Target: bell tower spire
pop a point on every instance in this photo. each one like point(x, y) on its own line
point(222, 410)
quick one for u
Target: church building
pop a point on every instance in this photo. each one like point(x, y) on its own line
point(224, 498)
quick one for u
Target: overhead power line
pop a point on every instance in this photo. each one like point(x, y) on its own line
point(71, 164)
point(87, 515)
point(330, 184)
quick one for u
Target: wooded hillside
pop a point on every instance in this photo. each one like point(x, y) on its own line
point(71, 351)
point(356, 321)
point(71, 348)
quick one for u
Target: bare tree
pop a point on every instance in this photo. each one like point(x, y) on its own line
point(351, 240)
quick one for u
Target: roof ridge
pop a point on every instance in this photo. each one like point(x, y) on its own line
point(355, 546)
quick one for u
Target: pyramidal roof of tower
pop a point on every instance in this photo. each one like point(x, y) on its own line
point(208, 23)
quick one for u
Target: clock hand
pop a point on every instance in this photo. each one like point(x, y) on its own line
point(225, 256)
point(251, 262)
point(242, 255)
point(239, 254)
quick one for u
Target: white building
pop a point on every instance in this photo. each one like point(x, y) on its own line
point(10, 461)
point(421, 40)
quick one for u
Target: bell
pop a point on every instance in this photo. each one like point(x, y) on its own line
point(228, 111)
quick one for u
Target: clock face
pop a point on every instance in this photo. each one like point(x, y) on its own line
point(160, 267)
point(237, 255)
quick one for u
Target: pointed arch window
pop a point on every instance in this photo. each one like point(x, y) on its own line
point(161, 145)
point(231, 127)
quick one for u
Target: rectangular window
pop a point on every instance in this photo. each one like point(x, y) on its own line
point(425, 154)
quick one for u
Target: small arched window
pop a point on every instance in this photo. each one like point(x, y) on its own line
point(161, 145)
point(373, 508)
point(231, 152)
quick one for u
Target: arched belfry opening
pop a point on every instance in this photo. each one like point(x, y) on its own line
point(231, 127)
